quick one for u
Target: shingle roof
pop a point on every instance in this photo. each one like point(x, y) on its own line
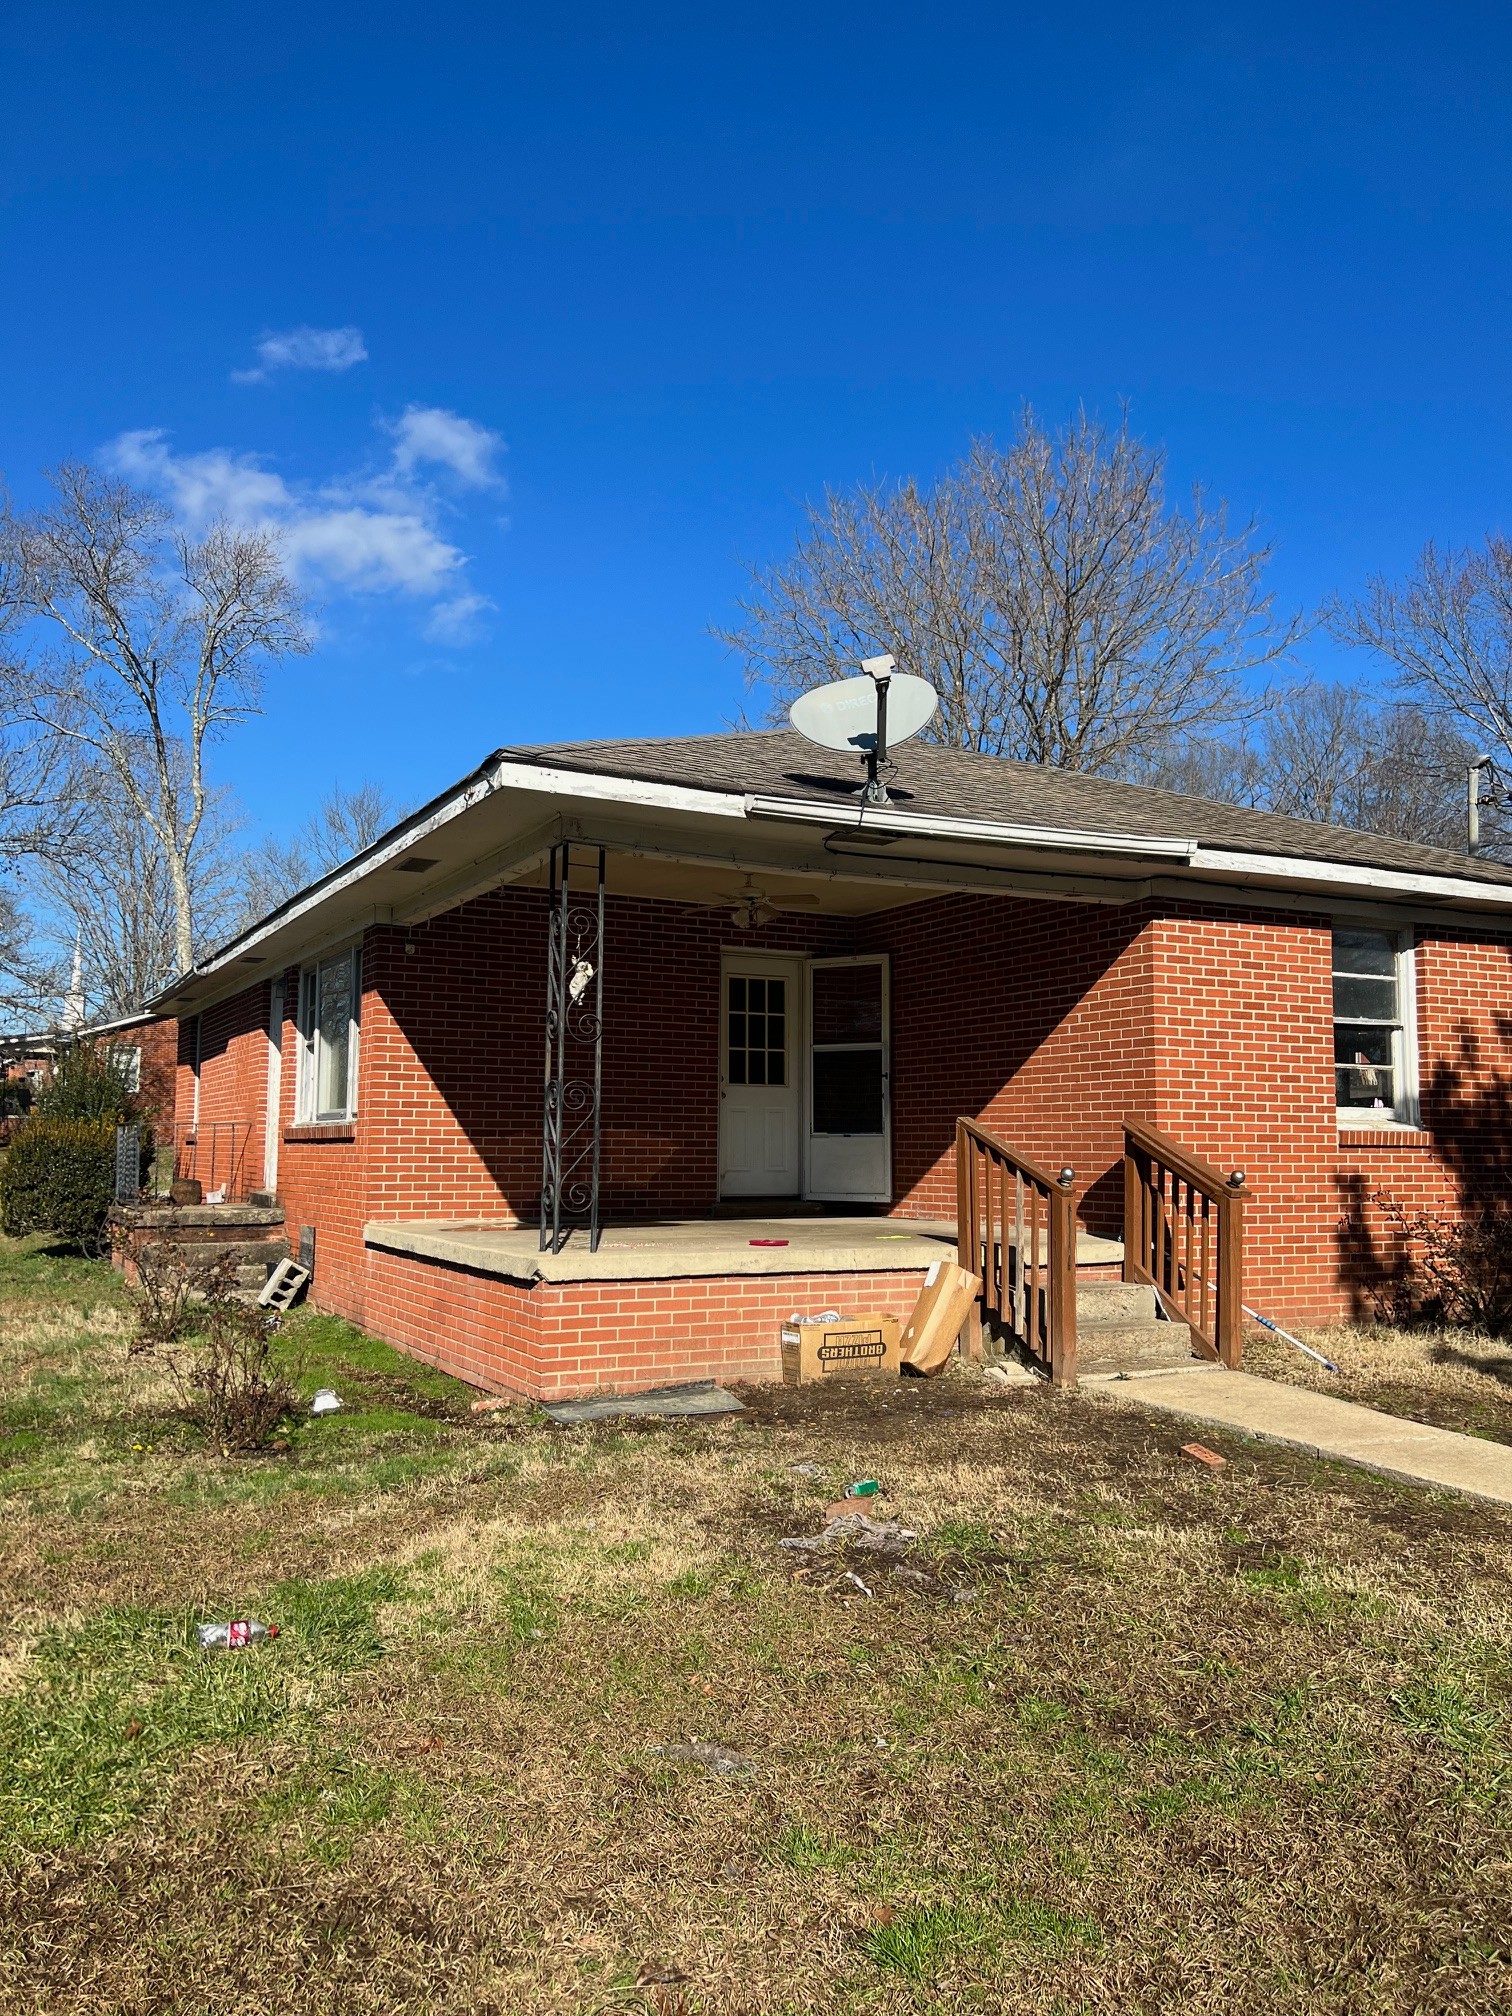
point(963, 784)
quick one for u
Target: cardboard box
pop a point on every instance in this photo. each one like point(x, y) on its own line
point(853, 1347)
point(943, 1306)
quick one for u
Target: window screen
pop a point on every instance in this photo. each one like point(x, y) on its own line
point(1367, 1021)
point(756, 1031)
point(847, 1091)
point(848, 1064)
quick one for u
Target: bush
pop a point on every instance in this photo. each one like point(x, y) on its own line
point(1459, 1264)
point(168, 1277)
point(59, 1176)
point(86, 1084)
point(229, 1385)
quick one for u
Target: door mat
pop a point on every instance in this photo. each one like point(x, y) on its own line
point(702, 1397)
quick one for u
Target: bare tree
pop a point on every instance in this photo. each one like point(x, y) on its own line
point(341, 826)
point(111, 892)
point(1336, 754)
point(346, 822)
point(158, 645)
point(1446, 630)
point(1065, 612)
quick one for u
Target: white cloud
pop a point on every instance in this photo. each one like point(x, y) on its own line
point(432, 434)
point(366, 534)
point(305, 349)
point(459, 621)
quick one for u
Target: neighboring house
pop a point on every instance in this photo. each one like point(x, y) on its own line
point(144, 1048)
point(799, 997)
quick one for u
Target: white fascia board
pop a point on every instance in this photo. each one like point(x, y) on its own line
point(578, 785)
point(1336, 879)
point(600, 788)
point(987, 832)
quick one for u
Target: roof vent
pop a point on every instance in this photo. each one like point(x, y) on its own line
point(415, 864)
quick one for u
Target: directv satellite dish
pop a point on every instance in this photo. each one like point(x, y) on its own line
point(861, 715)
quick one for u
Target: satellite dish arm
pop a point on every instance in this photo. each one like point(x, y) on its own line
point(881, 672)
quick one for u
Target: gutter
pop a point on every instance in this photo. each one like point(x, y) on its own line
point(988, 832)
point(1342, 877)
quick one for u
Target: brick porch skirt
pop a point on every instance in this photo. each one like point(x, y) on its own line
point(551, 1340)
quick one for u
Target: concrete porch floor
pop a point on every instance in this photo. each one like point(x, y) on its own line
point(689, 1247)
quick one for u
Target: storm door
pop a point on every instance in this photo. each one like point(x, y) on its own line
point(849, 1091)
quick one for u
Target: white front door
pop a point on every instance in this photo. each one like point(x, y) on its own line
point(849, 1081)
point(758, 1080)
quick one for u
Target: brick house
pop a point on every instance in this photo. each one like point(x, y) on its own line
point(143, 1047)
point(772, 1004)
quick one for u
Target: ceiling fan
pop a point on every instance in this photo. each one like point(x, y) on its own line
point(752, 906)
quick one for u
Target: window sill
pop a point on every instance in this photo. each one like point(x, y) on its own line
point(1382, 1134)
point(325, 1130)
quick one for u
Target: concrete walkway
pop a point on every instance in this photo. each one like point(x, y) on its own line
point(1341, 1430)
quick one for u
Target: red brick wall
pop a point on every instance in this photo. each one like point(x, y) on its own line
point(1049, 1021)
point(222, 1140)
point(558, 1338)
point(1034, 1018)
point(453, 1055)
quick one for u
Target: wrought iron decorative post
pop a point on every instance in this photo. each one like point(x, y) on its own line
point(571, 1133)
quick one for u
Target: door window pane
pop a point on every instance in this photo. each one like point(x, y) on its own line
point(847, 1004)
point(756, 1031)
point(847, 1091)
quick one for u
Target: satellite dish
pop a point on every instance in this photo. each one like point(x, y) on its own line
point(865, 715)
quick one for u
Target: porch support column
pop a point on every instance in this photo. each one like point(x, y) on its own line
point(571, 1141)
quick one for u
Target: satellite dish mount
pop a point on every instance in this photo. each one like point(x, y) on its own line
point(881, 670)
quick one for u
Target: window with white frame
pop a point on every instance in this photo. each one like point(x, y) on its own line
point(1375, 1071)
point(125, 1059)
point(328, 1010)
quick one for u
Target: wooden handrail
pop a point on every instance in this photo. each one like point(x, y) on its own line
point(1191, 1168)
point(1025, 1256)
point(1184, 1237)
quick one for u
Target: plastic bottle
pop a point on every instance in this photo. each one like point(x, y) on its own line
point(236, 1636)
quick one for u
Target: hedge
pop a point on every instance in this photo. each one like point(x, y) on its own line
point(59, 1177)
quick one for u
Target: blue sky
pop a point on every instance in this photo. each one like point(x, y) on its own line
point(628, 283)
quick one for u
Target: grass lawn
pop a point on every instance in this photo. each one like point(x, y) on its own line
point(1447, 1378)
point(1127, 1735)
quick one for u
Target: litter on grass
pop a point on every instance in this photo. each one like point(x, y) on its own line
point(703, 1396)
point(326, 1402)
point(716, 1757)
point(854, 1529)
point(235, 1636)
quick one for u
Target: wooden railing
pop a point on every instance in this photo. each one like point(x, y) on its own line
point(1184, 1237)
point(1016, 1228)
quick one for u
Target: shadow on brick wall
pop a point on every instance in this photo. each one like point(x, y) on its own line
point(1466, 1105)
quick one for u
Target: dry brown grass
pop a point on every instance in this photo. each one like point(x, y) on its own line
point(1199, 1742)
point(1449, 1378)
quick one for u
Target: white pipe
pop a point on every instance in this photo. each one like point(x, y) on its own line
point(1266, 1324)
